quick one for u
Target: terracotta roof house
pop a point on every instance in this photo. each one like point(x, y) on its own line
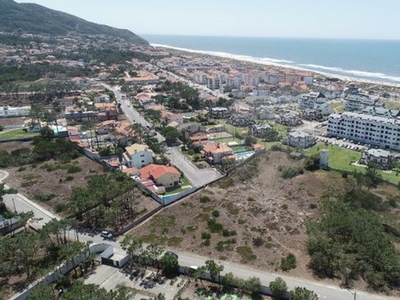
point(214, 152)
point(162, 175)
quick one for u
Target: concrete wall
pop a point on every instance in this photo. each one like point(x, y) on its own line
point(61, 270)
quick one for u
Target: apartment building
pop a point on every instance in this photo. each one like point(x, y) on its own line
point(379, 131)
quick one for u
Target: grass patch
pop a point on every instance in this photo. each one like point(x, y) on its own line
point(337, 107)
point(16, 134)
point(162, 240)
point(246, 253)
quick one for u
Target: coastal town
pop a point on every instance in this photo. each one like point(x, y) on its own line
point(175, 123)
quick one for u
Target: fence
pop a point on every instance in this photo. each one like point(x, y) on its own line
point(61, 270)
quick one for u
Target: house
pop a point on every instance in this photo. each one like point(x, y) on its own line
point(241, 120)
point(300, 139)
point(166, 176)
point(219, 113)
point(138, 155)
point(214, 152)
point(382, 159)
point(144, 100)
point(188, 129)
point(131, 171)
point(259, 129)
point(314, 100)
point(168, 117)
point(102, 98)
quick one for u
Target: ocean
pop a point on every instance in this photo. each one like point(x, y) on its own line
point(374, 60)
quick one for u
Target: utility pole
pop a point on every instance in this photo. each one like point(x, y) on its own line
point(355, 295)
point(15, 209)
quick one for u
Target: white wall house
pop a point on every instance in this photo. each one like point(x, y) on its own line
point(138, 155)
point(315, 101)
point(300, 139)
point(374, 130)
point(9, 111)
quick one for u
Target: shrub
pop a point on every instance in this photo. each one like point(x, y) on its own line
point(214, 226)
point(246, 253)
point(69, 178)
point(215, 213)
point(226, 232)
point(288, 172)
point(258, 241)
point(205, 235)
point(44, 197)
point(288, 262)
point(204, 199)
point(60, 207)
point(73, 169)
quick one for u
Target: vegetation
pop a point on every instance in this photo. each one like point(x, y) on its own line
point(32, 253)
point(301, 293)
point(36, 19)
point(278, 288)
point(79, 290)
point(183, 97)
point(106, 201)
point(288, 262)
point(350, 241)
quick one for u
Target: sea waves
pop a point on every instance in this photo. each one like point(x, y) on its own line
point(325, 70)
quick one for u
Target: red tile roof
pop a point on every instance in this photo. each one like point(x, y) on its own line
point(156, 171)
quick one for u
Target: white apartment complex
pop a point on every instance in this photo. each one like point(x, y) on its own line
point(9, 111)
point(380, 131)
point(300, 139)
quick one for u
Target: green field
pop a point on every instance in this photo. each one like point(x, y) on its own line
point(342, 159)
point(339, 158)
point(15, 134)
point(337, 107)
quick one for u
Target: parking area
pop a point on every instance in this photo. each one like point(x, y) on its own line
point(344, 143)
point(146, 285)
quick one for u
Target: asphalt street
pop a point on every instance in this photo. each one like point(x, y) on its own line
point(197, 177)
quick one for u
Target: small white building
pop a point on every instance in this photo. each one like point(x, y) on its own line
point(300, 139)
point(138, 155)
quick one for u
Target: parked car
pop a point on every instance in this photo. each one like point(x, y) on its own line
point(106, 235)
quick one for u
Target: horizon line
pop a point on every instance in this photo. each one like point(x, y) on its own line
point(275, 37)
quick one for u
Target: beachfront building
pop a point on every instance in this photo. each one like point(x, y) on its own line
point(300, 139)
point(380, 158)
point(214, 81)
point(379, 131)
point(358, 101)
point(315, 101)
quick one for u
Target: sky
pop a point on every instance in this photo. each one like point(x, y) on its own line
point(360, 19)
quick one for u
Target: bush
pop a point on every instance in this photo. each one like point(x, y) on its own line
point(60, 207)
point(288, 262)
point(258, 241)
point(73, 169)
point(204, 199)
point(205, 235)
point(288, 172)
point(278, 287)
point(226, 232)
point(214, 226)
point(44, 197)
point(69, 178)
point(215, 213)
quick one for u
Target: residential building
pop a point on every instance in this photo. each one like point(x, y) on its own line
point(138, 155)
point(316, 101)
point(300, 139)
point(382, 159)
point(214, 81)
point(380, 131)
point(214, 152)
point(259, 129)
point(166, 176)
point(219, 113)
point(189, 129)
point(10, 111)
point(358, 101)
point(241, 120)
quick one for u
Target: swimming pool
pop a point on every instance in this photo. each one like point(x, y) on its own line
point(244, 155)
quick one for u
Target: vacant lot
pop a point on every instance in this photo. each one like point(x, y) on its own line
point(50, 183)
point(254, 216)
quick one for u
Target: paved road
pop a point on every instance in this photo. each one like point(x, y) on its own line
point(328, 292)
point(197, 177)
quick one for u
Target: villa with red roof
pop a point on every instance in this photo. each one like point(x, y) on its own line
point(162, 175)
point(214, 152)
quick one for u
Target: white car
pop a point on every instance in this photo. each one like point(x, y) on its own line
point(106, 235)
